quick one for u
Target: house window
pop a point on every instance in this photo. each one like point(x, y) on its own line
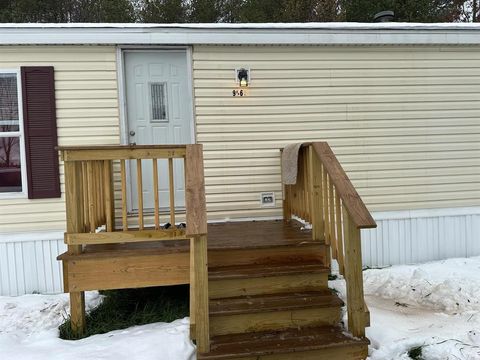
point(158, 94)
point(12, 156)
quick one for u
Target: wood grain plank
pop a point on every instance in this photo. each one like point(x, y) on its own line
point(91, 197)
point(202, 318)
point(171, 187)
point(354, 276)
point(360, 215)
point(195, 201)
point(74, 196)
point(326, 216)
point(129, 271)
point(140, 193)
point(124, 152)
point(127, 236)
point(123, 179)
point(109, 196)
point(338, 222)
point(156, 199)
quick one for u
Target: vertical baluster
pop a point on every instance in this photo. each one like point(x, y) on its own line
point(301, 196)
point(172, 191)
point(102, 191)
point(333, 238)
point(155, 194)
point(285, 203)
point(288, 203)
point(140, 193)
point(123, 176)
point(340, 250)
point(86, 190)
point(325, 205)
point(91, 196)
point(108, 195)
point(316, 204)
point(99, 201)
point(306, 185)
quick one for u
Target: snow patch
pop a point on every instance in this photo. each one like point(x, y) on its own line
point(451, 285)
point(435, 306)
point(29, 331)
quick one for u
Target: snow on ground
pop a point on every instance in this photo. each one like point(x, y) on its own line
point(434, 305)
point(29, 331)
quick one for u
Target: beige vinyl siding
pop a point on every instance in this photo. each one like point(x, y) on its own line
point(87, 113)
point(404, 122)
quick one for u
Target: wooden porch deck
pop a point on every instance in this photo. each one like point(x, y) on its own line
point(221, 236)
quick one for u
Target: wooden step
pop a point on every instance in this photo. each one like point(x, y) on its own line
point(273, 312)
point(262, 270)
point(308, 252)
point(317, 343)
point(258, 279)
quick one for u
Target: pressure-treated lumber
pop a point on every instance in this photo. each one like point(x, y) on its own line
point(274, 284)
point(354, 277)
point(140, 194)
point(171, 187)
point(273, 312)
point(195, 200)
point(202, 318)
point(117, 152)
point(75, 223)
point(109, 195)
point(193, 293)
point(351, 200)
point(156, 200)
point(338, 222)
point(318, 343)
point(123, 177)
point(93, 273)
point(124, 236)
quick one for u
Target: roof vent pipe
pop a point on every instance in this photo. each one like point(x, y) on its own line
point(384, 16)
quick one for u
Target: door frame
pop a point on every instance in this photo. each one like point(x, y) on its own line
point(122, 95)
point(122, 92)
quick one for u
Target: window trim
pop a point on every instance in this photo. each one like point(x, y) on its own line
point(21, 134)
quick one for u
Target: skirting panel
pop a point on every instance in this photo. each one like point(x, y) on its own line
point(409, 237)
point(28, 263)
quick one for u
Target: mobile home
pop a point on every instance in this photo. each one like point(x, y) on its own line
point(398, 104)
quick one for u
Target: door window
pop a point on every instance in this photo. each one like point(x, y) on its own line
point(158, 95)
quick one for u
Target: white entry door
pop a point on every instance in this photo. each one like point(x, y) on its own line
point(159, 111)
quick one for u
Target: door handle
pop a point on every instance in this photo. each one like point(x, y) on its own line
point(132, 133)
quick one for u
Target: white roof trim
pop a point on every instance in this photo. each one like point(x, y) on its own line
point(261, 34)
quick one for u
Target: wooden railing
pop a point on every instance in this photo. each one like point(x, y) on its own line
point(96, 175)
point(324, 197)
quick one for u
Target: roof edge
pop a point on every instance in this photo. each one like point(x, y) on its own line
point(261, 34)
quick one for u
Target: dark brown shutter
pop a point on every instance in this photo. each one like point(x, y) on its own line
point(40, 124)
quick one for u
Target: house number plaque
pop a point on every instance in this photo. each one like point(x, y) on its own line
point(238, 92)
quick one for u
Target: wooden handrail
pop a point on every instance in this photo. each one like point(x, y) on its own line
point(361, 217)
point(121, 152)
point(324, 197)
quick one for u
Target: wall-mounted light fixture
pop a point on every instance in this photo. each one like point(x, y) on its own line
point(242, 76)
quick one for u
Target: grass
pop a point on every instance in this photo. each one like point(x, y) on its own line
point(121, 309)
point(415, 353)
